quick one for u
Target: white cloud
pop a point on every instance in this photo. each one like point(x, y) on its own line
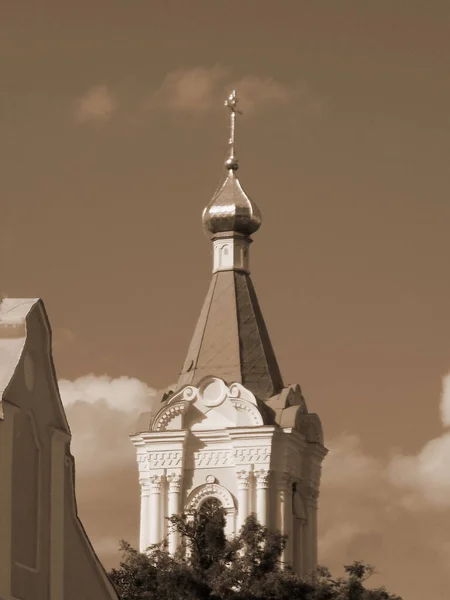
point(347, 464)
point(102, 412)
point(123, 394)
point(97, 105)
point(426, 476)
point(201, 89)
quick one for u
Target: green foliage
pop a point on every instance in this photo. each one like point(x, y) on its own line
point(248, 567)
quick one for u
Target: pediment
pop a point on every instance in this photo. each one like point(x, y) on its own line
point(211, 405)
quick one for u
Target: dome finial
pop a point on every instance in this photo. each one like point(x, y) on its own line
point(231, 102)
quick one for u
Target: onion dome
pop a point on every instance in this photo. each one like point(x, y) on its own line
point(231, 210)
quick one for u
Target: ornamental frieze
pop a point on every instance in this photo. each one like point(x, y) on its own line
point(162, 460)
point(252, 455)
point(213, 458)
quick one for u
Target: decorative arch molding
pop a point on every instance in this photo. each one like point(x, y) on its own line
point(252, 411)
point(210, 490)
point(167, 414)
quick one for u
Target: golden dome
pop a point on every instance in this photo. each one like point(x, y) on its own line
point(231, 210)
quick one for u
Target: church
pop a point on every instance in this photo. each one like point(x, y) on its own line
point(232, 430)
point(45, 553)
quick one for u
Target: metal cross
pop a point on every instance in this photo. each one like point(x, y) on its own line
point(231, 103)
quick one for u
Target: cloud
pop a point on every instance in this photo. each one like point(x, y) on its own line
point(123, 394)
point(363, 516)
point(102, 413)
point(202, 89)
point(259, 92)
point(96, 105)
point(347, 464)
point(362, 510)
point(191, 90)
point(426, 476)
point(355, 496)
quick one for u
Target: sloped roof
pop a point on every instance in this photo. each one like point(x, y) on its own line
point(13, 315)
point(231, 339)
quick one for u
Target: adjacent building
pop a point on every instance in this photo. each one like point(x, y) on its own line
point(45, 553)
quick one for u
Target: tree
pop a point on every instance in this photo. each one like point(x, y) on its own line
point(208, 566)
point(350, 588)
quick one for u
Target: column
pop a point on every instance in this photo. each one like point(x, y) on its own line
point(243, 481)
point(144, 539)
point(174, 480)
point(156, 517)
point(299, 546)
point(284, 513)
point(310, 535)
point(262, 493)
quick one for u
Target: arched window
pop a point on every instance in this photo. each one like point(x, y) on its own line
point(210, 506)
point(210, 532)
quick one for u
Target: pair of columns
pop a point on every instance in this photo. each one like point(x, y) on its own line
point(283, 498)
point(153, 509)
point(262, 495)
point(285, 521)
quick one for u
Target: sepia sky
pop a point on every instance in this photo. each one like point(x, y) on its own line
point(112, 140)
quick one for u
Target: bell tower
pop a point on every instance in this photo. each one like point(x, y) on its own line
point(232, 431)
